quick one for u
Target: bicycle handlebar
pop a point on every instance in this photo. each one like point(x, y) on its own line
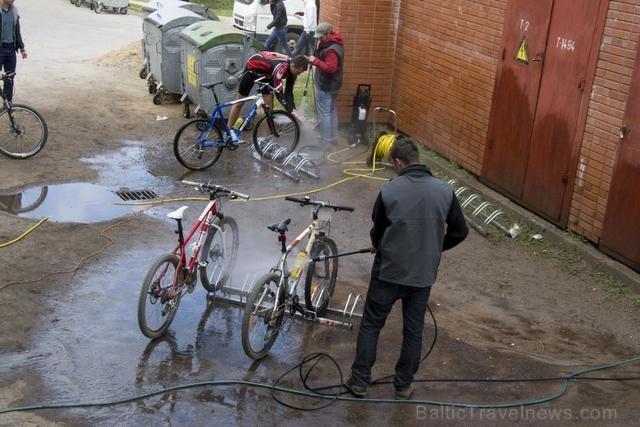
point(202, 187)
point(306, 201)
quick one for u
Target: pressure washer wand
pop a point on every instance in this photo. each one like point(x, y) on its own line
point(304, 93)
point(324, 258)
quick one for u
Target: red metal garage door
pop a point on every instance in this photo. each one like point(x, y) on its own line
point(516, 95)
point(539, 105)
point(621, 233)
point(562, 93)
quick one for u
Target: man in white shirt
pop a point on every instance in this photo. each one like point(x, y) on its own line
point(309, 18)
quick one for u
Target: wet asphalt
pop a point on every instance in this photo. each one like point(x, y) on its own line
point(87, 347)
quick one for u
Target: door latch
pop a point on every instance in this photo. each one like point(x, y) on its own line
point(624, 131)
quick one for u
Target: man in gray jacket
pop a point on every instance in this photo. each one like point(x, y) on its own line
point(10, 42)
point(415, 217)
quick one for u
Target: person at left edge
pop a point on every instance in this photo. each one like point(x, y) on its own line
point(10, 42)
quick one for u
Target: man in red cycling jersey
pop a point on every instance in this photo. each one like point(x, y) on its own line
point(275, 67)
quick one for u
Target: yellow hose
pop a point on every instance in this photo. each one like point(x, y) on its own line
point(25, 233)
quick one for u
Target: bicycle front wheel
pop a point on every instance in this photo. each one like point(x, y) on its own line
point(191, 144)
point(276, 130)
point(159, 300)
point(24, 132)
point(219, 252)
point(320, 280)
point(261, 321)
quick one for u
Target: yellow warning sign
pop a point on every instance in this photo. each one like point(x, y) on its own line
point(522, 52)
point(192, 76)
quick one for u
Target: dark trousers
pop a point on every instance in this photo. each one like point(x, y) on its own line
point(380, 299)
point(8, 64)
point(279, 34)
point(306, 43)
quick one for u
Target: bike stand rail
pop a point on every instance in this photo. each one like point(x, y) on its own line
point(340, 317)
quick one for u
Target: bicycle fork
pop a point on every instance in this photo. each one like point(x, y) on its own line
point(14, 127)
point(202, 265)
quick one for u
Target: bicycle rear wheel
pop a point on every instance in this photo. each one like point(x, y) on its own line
point(24, 132)
point(320, 280)
point(219, 254)
point(278, 129)
point(259, 326)
point(189, 145)
point(156, 305)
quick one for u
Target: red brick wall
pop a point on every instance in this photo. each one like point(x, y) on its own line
point(604, 119)
point(445, 70)
point(368, 29)
point(433, 62)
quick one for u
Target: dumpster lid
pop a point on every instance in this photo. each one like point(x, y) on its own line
point(154, 5)
point(196, 8)
point(174, 16)
point(208, 34)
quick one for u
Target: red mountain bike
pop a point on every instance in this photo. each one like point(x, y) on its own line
point(174, 274)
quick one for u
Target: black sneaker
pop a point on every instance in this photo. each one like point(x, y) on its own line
point(404, 393)
point(358, 390)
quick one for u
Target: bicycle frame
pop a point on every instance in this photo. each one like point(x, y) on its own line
point(217, 114)
point(312, 231)
point(204, 221)
point(6, 104)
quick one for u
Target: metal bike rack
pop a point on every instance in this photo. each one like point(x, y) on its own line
point(292, 165)
point(340, 318)
point(482, 213)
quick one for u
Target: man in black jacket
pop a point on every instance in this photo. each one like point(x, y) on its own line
point(10, 42)
point(415, 217)
point(279, 25)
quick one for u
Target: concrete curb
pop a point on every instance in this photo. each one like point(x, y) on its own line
point(589, 253)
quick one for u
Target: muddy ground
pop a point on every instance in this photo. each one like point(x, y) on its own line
point(504, 308)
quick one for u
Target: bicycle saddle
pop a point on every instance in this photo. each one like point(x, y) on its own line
point(281, 227)
point(178, 213)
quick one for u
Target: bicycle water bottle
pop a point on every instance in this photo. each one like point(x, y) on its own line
point(298, 265)
point(238, 123)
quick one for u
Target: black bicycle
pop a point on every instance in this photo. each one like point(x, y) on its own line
point(23, 131)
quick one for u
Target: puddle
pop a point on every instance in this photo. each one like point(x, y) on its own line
point(77, 202)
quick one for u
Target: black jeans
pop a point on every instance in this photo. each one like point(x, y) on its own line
point(8, 63)
point(380, 299)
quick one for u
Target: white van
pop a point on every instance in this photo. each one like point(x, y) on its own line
point(253, 16)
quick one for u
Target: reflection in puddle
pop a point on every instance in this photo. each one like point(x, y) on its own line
point(77, 202)
point(23, 202)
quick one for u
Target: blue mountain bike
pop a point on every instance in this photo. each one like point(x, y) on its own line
point(199, 143)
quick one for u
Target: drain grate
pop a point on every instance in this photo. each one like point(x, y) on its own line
point(137, 195)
